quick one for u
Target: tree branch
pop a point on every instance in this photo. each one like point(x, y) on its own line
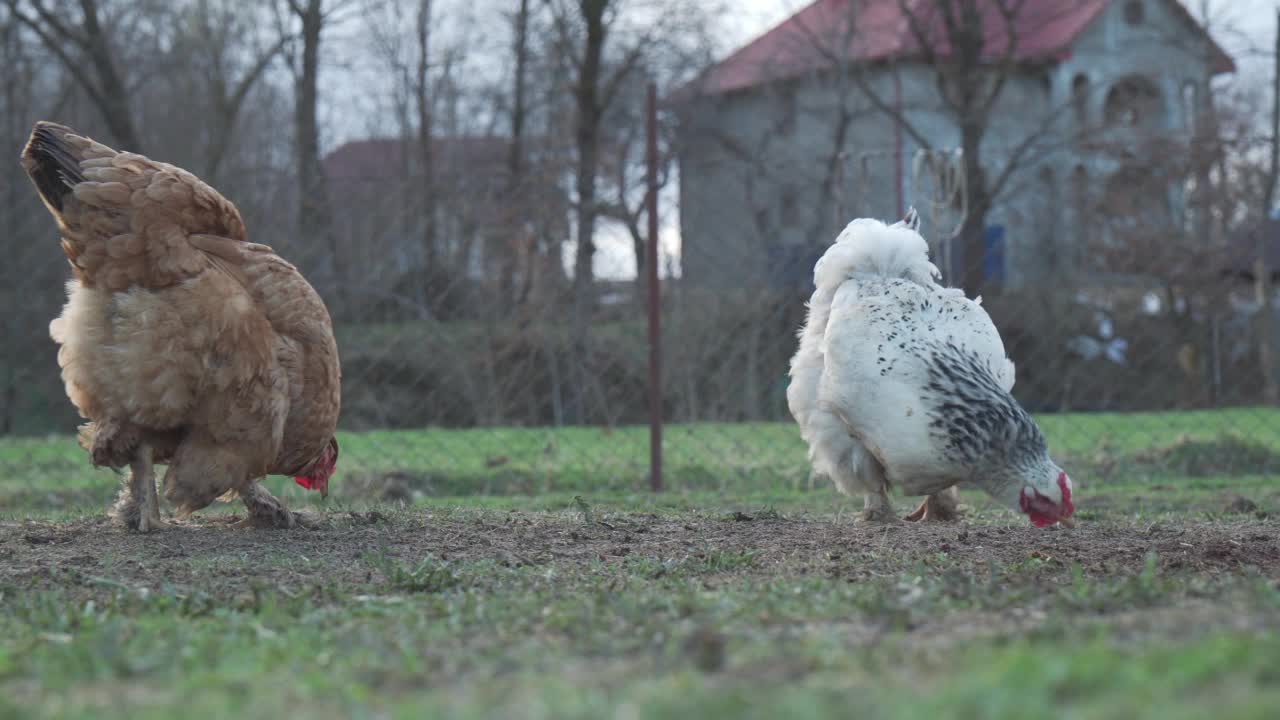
point(72, 66)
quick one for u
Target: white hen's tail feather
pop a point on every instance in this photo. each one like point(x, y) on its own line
point(866, 247)
point(870, 247)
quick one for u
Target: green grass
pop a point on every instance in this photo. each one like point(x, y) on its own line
point(699, 628)
point(582, 642)
point(744, 460)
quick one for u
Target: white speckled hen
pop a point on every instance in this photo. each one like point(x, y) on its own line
point(900, 381)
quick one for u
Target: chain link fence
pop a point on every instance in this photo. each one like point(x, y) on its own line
point(464, 372)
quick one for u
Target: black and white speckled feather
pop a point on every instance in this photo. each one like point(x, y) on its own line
point(975, 420)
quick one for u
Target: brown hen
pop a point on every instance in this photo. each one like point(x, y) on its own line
point(182, 342)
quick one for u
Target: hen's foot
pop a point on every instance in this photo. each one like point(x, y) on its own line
point(139, 504)
point(151, 521)
point(294, 520)
point(266, 511)
point(879, 514)
point(939, 507)
point(125, 511)
point(876, 508)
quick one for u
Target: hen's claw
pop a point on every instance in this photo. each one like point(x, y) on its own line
point(876, 515)
point(877, 508)
point(266, 511)
point(294, 520)
point(939, 507)
point(148, 523)
point(139, 504)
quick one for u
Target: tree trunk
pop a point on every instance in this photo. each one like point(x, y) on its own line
point(113, 99)
point(972, 232)
point(426, 152)
point(315, 223)
point(228, 104)
point(508, 249)
point(588, 145)
point(1262, 273)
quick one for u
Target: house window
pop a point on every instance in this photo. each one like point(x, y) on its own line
point(1132, 102)
point(1190, 108)
point(1134, 13)
point(1136, 200)
point(1080, 99)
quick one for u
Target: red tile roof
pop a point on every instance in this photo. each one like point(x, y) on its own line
point(828, 31)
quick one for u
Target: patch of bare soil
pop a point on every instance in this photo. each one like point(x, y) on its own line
point(206, 555)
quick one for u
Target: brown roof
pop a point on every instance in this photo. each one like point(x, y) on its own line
point(379, 158)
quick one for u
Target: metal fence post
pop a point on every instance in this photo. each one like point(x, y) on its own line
point(655, 315)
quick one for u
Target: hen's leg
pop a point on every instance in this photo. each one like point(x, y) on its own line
point(125, 509)
point(877, 507)
point(265, 510)
point(850, 465)
point(876, 504)
point(201, 470)
point(146, 501)
point(939, 507)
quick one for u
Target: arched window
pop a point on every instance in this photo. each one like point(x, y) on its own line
point(1134, 12)
point(1132, 102)
point(1190, 106)
point(1080, 98)
point(1135, 197)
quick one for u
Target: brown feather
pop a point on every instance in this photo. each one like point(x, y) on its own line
point(178, 332)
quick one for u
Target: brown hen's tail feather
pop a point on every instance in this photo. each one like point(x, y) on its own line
point(52, 163)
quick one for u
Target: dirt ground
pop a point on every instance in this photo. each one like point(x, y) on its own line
point(206, 555)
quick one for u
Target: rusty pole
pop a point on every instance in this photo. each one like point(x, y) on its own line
point(655, 315)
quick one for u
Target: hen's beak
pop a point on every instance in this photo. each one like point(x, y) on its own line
point(1067, 522)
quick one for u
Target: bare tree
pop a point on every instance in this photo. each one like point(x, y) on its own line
point(583, 31)
point(217, 29)
point(426, 127)
point(513, 288)
point(603, 44)
point(31, 277)
point(1262, 273)
point(1172, 254)
point(972, 49)
point(86, 50)
point(315, 222)
point(624, 177)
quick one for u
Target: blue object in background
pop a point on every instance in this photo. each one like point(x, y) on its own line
point(993, 268)
point(993, 255)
